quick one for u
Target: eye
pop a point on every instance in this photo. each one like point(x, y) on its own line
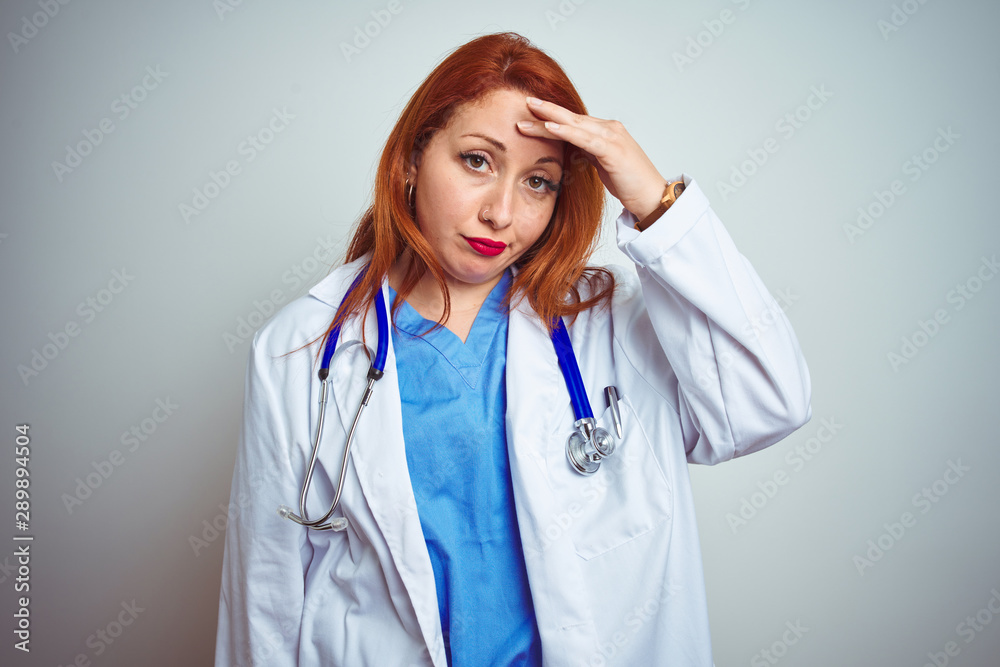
point(540, 184)
point(475, 161)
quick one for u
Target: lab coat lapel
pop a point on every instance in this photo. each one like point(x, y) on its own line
point(379, 458)
point(537, 401)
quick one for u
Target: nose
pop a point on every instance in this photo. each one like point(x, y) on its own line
point(498, 206)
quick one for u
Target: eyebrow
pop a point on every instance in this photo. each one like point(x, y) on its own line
point(500, 146)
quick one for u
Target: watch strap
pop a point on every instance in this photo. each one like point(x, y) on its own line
point(671, 192)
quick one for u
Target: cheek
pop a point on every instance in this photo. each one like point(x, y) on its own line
point(443, 204)
point(432, 215)
point(535, 223)
point(535, 231)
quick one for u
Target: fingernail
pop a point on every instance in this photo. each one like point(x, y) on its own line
point(534, 101)
point(525, 124)
point(549, 125)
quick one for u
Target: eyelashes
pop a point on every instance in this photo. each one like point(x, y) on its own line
point(476, 161)
point(471, 157)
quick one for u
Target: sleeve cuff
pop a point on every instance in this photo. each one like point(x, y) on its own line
point(643, 247)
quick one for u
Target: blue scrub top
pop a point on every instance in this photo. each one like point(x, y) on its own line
point(454, 405)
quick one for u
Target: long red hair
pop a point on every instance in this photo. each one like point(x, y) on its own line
point(549, 271)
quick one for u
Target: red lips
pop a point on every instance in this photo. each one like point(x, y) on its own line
point(487, 247)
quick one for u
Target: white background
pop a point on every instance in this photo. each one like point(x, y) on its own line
point(174, 332)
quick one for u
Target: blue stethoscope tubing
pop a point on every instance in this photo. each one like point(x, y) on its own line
point(375, 373)
point(588, 443)
point(585, 448)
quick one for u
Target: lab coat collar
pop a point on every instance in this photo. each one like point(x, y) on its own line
point(331, 289)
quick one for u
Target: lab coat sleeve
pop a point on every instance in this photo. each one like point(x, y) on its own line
point(262, 581)
point(741, 381)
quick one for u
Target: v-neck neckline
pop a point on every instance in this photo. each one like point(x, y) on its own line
point(467, 358)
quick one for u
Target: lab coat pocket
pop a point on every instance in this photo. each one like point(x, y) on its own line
point(627, 497)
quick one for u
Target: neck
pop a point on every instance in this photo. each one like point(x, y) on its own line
point(427, 298)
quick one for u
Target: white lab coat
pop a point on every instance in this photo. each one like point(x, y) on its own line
point(613, 560)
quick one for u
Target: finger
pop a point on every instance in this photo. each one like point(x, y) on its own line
point(553, 130)
point(594, 135)
point(583, 137)
point(551, 111)
point(535, 128)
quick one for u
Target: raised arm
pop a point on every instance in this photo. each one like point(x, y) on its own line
point(741, 380)
point(738, 375)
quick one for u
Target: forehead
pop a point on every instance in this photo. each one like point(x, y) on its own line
point(496, 114)
point(496, 106)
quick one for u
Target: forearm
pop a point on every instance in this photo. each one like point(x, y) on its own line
point(742, 385)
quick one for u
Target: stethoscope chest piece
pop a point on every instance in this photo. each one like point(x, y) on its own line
point(587, 445)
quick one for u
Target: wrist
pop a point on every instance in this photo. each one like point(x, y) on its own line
point(668, 196)
point(644, 206)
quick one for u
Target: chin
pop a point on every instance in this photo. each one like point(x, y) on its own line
point(474, 277)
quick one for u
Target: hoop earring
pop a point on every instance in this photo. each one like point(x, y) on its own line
point(409, 192)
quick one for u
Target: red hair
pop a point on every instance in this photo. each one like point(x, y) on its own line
point(549, 271)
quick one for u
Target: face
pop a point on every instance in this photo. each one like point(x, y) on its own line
point(484, 191)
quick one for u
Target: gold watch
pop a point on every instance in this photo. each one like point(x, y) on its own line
point(670, 195)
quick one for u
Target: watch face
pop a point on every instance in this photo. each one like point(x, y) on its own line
point(677, 189)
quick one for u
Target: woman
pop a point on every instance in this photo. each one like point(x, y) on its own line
point(471, 538)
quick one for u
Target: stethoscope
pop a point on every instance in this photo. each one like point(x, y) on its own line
point(587, 445)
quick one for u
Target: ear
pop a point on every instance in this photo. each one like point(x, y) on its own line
point(413, 167)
